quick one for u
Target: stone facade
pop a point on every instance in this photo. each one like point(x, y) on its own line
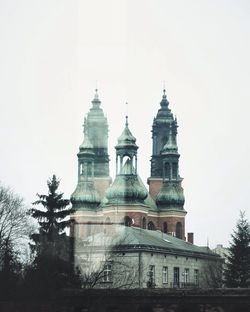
point(140, 258)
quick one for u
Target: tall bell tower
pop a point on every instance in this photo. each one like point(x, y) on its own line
point(165, 181)
point(96, 128)
point(160, 134)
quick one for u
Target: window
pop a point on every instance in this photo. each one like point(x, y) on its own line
point(127, 221)
point(89, 228)
point(151, 276)
point(107, 220)
point(89, 169)
point(186, 276)
point(196, 277)
point(81, 169)
point(151, 226)
point(107, 273)
point(165, 227)
point(165, 275)
point(175, 171)
point(167, 171)
point(178, 230)
point(176, 276)
point(144, 223)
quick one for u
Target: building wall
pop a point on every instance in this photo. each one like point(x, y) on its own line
point(132, 269)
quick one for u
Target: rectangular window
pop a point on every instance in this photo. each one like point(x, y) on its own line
point(167, 171)
point(151, 275)
point(175, 171)
point(176, 276)
point(196, 277)
point(165, 275)
point(186, 276)
point(107, 273)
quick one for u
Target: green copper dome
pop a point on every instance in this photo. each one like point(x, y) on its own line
point(126, 188)
point(171, 195)
point(85, 196)
point(164, 113)
point(126, 139)
point(86, 147)
point(170, 147)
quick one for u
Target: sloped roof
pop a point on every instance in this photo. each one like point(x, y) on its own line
point(133, 238)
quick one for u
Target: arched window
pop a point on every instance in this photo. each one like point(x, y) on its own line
point(127, 221)
point(178, 230)
point(127, 165)
point(81, 169)
point(88, 228)
point(144, 223)
point(107, 220)
point(175, 171)
point(165, 227)
point(89, 169)
point(151, 226)
point(167, 170)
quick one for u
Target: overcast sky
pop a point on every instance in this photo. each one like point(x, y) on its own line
point(53, 52)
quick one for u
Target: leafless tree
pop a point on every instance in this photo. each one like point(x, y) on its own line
point(102, 264)
point(15, 223)
point(212, 273)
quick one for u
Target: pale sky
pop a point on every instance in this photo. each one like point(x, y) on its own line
point(53, 52)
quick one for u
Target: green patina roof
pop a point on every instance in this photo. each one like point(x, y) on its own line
point(126, 138)
point(129, 190)
point(171, 194)
point(164, 113)
point(85, 196)
point(126, 189)
point(86, 147)
point(95, 124)
point(149, 200)
point(127, 238)
point(170, 146)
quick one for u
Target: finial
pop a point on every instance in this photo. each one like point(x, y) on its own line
point(126, 114)
point(96, 94)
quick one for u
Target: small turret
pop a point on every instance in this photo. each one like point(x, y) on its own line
point(85, 196)
point(171, 194)
point(126, 187)
point(160, 135)
point(96, 126)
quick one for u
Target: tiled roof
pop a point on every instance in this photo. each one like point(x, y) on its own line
point(127, 238)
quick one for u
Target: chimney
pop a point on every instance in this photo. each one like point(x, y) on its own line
point(191, 238)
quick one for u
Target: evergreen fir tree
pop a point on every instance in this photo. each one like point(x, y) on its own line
point(237, 271)
point(52, 218)
point(52, 268)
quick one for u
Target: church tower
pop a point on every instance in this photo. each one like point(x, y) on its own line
point(85, 199)
point(160, 135)
point(170, 200)
point(165, 181)
point(93, 173)
point(127, 194)
point(96, 127)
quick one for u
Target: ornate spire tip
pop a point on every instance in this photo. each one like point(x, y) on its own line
point(96, 94)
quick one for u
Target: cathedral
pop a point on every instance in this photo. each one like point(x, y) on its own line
point(127, 201)
point(127, 235)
